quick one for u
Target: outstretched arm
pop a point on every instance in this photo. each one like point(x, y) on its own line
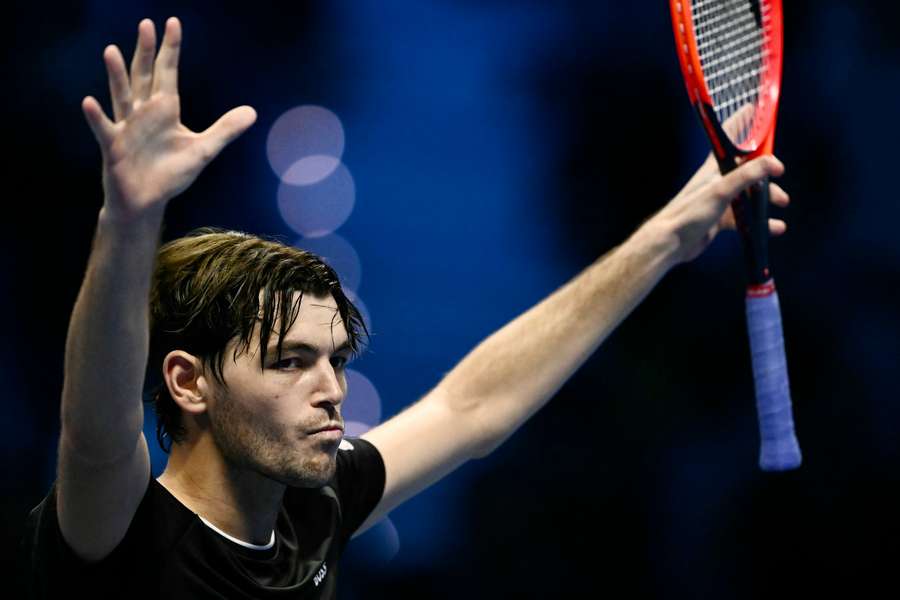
point(515, 371)
point(148, 158)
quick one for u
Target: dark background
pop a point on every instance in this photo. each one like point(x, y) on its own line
point(497, 148)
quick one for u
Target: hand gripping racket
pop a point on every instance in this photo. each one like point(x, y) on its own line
point(730, 55)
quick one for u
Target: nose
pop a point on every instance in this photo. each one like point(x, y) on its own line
point(331, 387)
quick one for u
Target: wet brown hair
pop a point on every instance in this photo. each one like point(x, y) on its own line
point(214, 286)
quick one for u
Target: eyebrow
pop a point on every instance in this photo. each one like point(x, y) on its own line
point(298, 346)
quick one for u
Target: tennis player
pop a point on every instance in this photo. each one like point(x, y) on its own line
point(262, 491)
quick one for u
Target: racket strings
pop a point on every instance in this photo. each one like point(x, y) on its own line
point(732, 39)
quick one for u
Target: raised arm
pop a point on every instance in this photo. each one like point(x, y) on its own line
point(148, 158)
point(515, 371)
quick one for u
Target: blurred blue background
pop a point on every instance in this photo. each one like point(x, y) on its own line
point(496, 149)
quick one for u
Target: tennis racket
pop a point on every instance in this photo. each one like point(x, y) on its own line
point(730, 54)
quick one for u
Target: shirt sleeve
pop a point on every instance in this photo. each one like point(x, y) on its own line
point(359, 484)
point(48, 562)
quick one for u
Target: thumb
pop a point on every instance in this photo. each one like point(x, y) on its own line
point(227, 129)
point(100, 125)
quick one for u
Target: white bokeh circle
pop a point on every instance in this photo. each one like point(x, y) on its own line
point(362, 404)
point(307, 133)
point(319, 209)
point(337, 253)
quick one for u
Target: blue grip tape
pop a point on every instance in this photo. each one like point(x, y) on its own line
point(779, 450)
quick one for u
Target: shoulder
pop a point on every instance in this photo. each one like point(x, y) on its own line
point(159, 520)
point(358, 463)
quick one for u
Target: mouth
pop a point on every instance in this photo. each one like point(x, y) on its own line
point(329, 427)
point(333, 432)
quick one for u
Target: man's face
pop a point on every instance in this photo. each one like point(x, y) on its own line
point(284, 421)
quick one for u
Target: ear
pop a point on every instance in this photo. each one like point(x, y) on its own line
point(184, 376)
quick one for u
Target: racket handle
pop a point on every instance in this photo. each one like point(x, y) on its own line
point(779, 450)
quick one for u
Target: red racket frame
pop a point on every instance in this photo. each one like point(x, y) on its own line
point(762, 138)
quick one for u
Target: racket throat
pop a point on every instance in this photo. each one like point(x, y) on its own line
point(752, 220)
point(751, 208)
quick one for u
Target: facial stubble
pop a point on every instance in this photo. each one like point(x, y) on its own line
point(248, 442)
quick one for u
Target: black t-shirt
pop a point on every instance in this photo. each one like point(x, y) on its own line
point(168, 552)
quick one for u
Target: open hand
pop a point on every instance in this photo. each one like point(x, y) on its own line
point(149, 156)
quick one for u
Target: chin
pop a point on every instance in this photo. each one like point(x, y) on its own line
point(311, 473)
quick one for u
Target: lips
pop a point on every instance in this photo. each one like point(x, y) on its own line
point(337, 427)
point(331, 436)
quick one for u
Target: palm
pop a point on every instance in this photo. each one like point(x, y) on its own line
point(149, 156)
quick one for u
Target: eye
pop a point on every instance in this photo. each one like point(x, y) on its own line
point(288, 363)
point(339, 362)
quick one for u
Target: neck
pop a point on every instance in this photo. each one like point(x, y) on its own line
point(242, 503)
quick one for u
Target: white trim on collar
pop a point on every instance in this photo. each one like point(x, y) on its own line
point(237, 541)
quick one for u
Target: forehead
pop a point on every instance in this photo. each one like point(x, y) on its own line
point(318, 319)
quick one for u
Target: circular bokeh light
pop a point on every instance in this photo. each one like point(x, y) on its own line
point(310, 170)
point(339, 255)
point(362, 404)
point(306, 133)
point(317, 210)
point(355, 428)
point(384, 540)
point(358, 303)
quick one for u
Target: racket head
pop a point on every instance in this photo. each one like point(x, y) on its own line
point(730, 52)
